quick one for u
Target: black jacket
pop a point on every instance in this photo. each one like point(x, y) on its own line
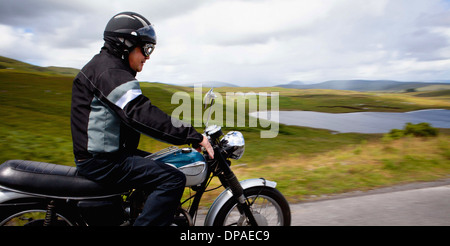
point(109, 112)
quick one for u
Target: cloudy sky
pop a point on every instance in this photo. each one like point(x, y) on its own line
point(245, 42)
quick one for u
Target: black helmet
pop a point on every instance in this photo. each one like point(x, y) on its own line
point(127, 29)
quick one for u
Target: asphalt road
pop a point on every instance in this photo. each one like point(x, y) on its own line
point(420, 204)
point(417, 204)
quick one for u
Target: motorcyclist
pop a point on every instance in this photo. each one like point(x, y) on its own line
point(109, 112)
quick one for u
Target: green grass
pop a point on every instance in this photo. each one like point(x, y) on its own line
point(12, 65)
point(363, 166)
point(338, 101)
point(305, 162)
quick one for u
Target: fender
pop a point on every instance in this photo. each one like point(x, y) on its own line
point(227, 195)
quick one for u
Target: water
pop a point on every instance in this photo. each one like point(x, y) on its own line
point(362, 122)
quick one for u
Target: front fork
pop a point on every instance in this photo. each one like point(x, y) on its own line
point(230, 181)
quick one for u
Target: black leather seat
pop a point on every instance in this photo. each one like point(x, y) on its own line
point(47, 179)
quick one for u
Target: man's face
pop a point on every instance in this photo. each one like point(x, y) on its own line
point(137, 59)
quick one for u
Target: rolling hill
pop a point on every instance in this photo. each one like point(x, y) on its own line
point(15, 65)
point(214, 84)
point(363, 85)
point(35, 125)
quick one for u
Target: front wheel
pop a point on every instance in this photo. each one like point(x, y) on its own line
point(268, 205)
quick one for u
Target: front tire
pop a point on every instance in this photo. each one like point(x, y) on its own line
point(268, 205)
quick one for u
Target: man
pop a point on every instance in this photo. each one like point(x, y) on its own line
point(109, 112)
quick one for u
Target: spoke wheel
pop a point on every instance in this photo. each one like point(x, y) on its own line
point(268, 207)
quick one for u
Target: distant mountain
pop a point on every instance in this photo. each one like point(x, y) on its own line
point(362, 85)
point(215, 84)
point(296, 82)
point(354, 85)
point(8, 63)
point(440, 81)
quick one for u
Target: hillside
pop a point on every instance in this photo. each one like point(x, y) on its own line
point(210, 84)
point(18, 66)
point(366, 85)
point(305, 162)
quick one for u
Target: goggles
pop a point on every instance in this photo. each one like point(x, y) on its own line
point(147, 49)
point(146, 34)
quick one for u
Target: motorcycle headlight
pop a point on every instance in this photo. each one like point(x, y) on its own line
point(234, 144)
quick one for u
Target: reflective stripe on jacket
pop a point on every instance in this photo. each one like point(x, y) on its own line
point(109, 111)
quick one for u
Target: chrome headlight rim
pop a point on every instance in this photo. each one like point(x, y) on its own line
point(234, 144)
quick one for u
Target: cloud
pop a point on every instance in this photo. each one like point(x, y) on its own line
point(262, 42)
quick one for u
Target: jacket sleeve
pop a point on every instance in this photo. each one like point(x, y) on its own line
point(137, 111)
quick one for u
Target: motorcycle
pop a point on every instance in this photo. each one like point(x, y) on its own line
point(45, 194)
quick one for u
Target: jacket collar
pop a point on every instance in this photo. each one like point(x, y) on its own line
point(119, 56)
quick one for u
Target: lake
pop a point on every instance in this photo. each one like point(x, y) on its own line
point(362, 122)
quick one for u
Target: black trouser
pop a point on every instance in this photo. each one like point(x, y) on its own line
point(165, 183)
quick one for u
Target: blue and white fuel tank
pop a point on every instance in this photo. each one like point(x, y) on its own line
point(187, 160)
